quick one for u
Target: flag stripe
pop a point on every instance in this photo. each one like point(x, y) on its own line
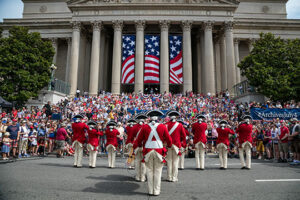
point(175, 49)
point(152, 51)
point(128, 59)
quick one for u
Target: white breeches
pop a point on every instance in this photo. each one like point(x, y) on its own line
point(222, 148)
point(140, 167)
point(92, 158)
point(199, 155)
point(172, 159)
point(247, 149)
point(154, 167)
point(78, 154)
point(111, 155)
point(181, 160)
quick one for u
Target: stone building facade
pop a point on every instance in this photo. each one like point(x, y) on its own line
point(217, 34)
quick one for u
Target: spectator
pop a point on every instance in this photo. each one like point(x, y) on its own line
point(5, 146)
point(295, 138)
point(61, 136)
point(14, 135)
point(24, 133)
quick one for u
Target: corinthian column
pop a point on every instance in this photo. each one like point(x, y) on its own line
point(218, 65)
point(230, 63)
point(164, 56)
point(208, 68)
point(94, 69)
point(116, 65)
point(55, 46)
point(223, 63)
point(237, 59)
point(74, 58)
point(187, 56)
point(139, 57)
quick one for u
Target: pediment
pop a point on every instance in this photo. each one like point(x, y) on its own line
point(91, 2)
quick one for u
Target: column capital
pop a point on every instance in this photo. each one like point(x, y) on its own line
point(76, 25)
point(164, 25)
point(140, 25)
point(251, 40)
point(54, 41)
point(236, 41)
point(97, 25)
point(118, 25)
point(229, 25)
point(208, 25)
point(186, 25)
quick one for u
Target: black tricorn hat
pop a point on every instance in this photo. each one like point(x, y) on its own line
point(199, 116)
point(223, 122)
point(173, 113)
point(111, 123)
point(181, 122)
point(78, 116)
point(247, 117)
point(153, 113)
point(132, 121)
point(141, 116)
point(92, 123)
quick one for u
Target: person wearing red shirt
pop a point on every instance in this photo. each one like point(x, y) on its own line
point(140, 167)
point(152, 137)
point(78, 139)
point(177, 134)
point(283, 142)
point(111, 142)
point(223, 143)
point(129, 141)
point(199, 132)
point(183, 147)
point(93, 143)
point(244, 132)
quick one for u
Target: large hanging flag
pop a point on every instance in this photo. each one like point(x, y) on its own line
point(128, 53)
point(152, 51)
point(175, 50)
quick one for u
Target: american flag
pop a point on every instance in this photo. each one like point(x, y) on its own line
point(128, 53)
point(175, 50)
point(152, 51)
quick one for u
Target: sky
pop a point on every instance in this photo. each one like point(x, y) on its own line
point(14, 9)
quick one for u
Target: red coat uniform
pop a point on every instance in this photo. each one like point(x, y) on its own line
point(199, 132)
point(178, 136)
point(137, 129)
point(130, 132)
point(94, 137)
point(245, 133)
point(79, 131)
point(223, 136)
point(162, 133)
point(111, 137)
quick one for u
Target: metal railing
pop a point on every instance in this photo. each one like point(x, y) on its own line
point(60, 86)
point(243, 88)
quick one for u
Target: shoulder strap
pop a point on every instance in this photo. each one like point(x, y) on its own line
point(173, 128)
point(157, 144)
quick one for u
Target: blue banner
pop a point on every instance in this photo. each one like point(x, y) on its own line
point(273, 113)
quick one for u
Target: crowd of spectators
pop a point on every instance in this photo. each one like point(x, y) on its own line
point(32, 131)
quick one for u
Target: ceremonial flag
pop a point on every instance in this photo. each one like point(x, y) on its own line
point(152, 51)
point(175, 50)
point(128, 54)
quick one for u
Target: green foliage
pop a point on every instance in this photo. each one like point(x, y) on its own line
point(25, 61)
point(273, 67)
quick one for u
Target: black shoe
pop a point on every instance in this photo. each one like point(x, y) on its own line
point(280, 160)
point(79, 166)
point(197, 168)
point(74, 165)
point(202, 169)
point(243, 168)
point(224, 168)
point(247, 168)
point(221, 168)
point(284, 161)
point(92, 167)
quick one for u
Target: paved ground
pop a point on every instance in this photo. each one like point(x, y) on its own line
point(52, 178)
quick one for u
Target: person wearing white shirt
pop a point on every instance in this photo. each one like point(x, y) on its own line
point(24, 140)
point(121, 136)
point(274, 135)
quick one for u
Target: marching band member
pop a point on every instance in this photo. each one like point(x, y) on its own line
point(78, 139)
point(140, 167)
point(93, 143)
point(152, 137)
point(199, 131)
point(112, 142)
point(183, 147)
point(223, 143)
point(178, 136)
point(244, 131)
point(129, 141)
